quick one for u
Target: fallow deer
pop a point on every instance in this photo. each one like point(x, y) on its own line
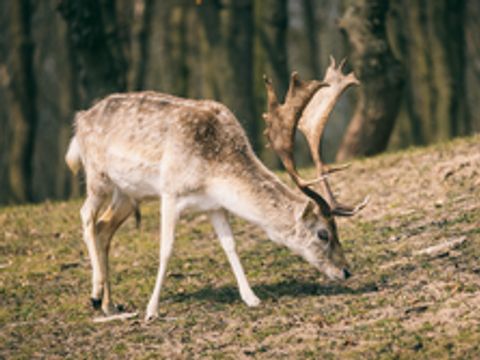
point(193, 154)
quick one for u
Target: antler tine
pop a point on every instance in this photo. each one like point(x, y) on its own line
point(330, 169)
point(282, 120)
point(332, 61)
point(272, 100)
point(295, 82)
point(342, 210)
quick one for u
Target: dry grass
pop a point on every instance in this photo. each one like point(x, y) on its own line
point(400, 303)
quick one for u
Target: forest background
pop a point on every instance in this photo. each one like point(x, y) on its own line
point(418, 62)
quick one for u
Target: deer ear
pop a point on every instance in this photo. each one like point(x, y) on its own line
point(306, 211)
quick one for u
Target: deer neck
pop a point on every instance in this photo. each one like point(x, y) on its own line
point(259, 196)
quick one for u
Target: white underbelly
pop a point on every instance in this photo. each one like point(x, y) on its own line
point(133, 174)
point(141, 185)
point(137, 186)
point(196, 202)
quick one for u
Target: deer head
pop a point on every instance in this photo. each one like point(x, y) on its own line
point(315, 225)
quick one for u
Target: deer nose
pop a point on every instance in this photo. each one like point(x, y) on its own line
point(346, 274)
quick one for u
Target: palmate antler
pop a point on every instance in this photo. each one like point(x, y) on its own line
point(282, 120)
point(308, 105)
point(312, 124)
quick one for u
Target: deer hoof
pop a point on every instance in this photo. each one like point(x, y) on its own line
point(150, 317)
point(252, 301)
point(96, 303)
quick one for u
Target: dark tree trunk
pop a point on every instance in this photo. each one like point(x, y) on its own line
point(17, 99)
point(272, 24)
point(141, 28)
point(123, 20)
point(312, 34)
point(55, 103)
point(98, 49)
point(381, 78)
point(228, 27)
point(472, 59)
point(430, 38)
point(166, 64)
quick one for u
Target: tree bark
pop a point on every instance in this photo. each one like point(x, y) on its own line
point(272, 24)
point(17, 98)
point(431, 41)
point(228, 28)
point(166, 53)
point(311, 26)
point(472, 66)
point(98, 53)
point(141, 28)
point(381, 78)
point(55, 104)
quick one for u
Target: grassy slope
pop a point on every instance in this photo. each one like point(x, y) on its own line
point(397, 304)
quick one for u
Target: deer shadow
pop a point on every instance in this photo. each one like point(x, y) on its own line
point(292, 287)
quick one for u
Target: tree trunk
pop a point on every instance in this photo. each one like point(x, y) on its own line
point(166, 64)
point(431, 43)
point(228, 27)
point(312, 35)
point(17, 99)
point(98, 53)
point(141, 28)
point(55, 104)
point(381, 79)
point(272, 23)
point(472, 59)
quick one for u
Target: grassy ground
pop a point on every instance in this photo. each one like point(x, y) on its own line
point(400, 303)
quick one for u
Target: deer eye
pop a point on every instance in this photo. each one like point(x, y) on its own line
point(322, 234)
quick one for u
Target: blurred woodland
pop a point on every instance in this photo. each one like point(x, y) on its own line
point(418, 62)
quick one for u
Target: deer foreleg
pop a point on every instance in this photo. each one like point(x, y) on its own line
point(224, 232)
point(168, 218)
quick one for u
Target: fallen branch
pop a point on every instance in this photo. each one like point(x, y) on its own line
point(442, 248)
point(122, 316)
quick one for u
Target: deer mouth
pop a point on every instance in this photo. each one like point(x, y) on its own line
point(335, 273)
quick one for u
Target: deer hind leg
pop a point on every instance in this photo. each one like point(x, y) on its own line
point(224, 232)
point(113, 217)
point(89, 213)
point(168, 219)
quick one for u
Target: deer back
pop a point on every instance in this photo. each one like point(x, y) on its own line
point(166, 140)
